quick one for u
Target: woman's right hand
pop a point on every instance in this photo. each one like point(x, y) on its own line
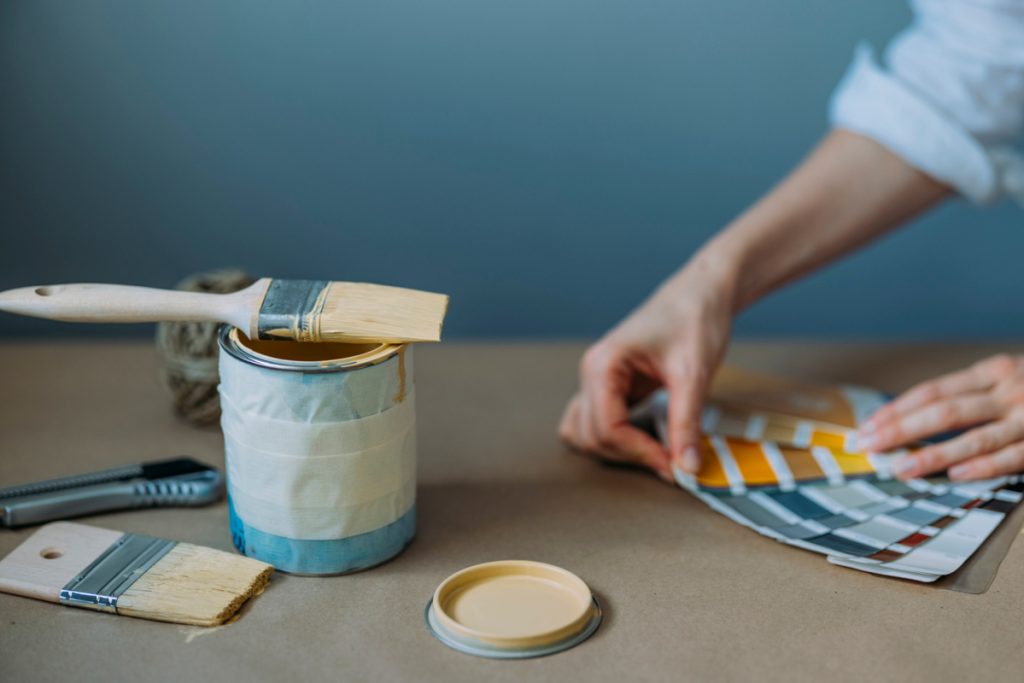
point(676, 339)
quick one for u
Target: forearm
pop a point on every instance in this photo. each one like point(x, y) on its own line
point(847, 192)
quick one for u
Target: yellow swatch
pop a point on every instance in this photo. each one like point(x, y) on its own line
point(852, 463)
point(836, 442)
point(711, 472)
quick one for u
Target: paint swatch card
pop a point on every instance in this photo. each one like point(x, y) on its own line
point(798, 479)
point(918, 529)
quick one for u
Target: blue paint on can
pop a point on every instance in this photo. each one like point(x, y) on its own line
point(334, 556)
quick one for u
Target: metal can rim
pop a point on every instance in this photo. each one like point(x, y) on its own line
point(228, 340)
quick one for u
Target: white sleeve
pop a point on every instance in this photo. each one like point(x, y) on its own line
point(950, 96)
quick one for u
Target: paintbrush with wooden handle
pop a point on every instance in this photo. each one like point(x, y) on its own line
point(302, 310)
point(132, 575)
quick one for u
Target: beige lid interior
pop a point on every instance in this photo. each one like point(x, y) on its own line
point(513, 604)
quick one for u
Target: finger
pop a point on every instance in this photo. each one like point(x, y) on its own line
point(585, 429)
point(978, 441)
point(575, 428)
point(1005, 461)
point(568, 427)
point(973, 379)
point(935, 418)
point(628, 442)
point(616, 438)
point(686, 385)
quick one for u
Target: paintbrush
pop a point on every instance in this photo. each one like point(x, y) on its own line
point(132, 574)
point(303, 310)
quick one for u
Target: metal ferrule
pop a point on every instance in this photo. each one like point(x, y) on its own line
point(122, 564)
point(291, 310)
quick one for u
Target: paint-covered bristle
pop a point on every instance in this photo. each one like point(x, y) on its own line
point(354, 312)
point(195, 585)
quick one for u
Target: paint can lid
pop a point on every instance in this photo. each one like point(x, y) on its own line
point(512, 609)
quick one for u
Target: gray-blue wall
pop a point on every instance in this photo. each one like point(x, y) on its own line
point(546, 162)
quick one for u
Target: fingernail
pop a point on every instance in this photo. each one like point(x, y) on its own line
point(691, 460)
point(962, 471)
point(866, 442)
point(666, 475)
point(903, 466)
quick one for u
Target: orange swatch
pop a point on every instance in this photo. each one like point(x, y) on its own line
point(753, 464)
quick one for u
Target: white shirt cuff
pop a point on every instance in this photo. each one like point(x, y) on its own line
point(874, 103)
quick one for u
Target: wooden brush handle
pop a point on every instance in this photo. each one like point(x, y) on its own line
point(125, 304)
point(52, 556)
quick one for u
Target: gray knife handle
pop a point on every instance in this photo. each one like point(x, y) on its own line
point(87, 500)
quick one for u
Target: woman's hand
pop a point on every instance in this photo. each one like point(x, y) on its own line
point(847, 192)
point(988, 396)
point(676, 339)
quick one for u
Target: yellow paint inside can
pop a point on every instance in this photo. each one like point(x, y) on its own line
point(317, 353)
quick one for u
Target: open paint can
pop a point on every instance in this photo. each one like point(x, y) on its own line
point(320, 450)
point(513, 609)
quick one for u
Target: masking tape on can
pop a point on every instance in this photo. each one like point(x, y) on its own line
point(321, 480)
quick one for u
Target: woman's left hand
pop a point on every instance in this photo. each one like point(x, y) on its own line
point(988, 397)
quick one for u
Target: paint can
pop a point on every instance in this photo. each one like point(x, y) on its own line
point(320, 451)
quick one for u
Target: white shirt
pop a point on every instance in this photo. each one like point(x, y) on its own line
point(949, 98)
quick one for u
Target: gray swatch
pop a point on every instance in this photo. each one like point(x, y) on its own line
point(951, 500)
point(884, 507)
point(916, 515)
point(797, 531)
point(847, 496)
point(883, 533)
point(758, 515)
point(836, 521)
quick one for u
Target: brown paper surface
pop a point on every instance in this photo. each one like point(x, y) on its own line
point(690, 595)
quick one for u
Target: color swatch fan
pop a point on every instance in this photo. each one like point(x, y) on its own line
point(771, 463)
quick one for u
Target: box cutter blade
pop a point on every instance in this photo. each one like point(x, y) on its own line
point(175, 482)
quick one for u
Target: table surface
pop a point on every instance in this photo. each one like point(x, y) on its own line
point(688, 593)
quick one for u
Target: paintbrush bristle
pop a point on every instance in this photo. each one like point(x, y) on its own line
point(195, 585)
point(360, 312)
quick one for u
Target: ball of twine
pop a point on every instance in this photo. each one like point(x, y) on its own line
point(188, 351)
